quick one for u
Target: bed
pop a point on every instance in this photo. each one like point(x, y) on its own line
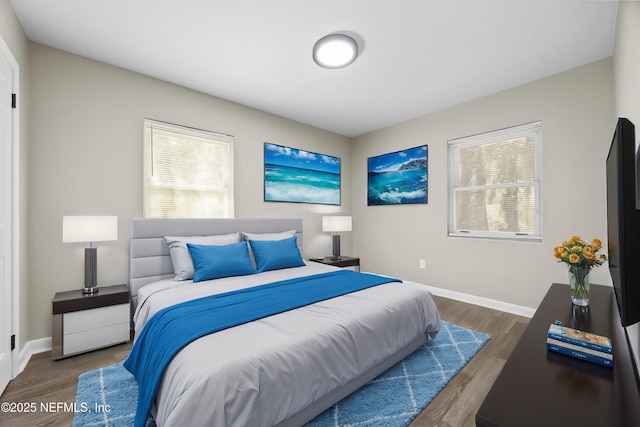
point(280, 370)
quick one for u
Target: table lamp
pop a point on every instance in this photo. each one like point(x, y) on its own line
point(336, 224)
point(90, 229)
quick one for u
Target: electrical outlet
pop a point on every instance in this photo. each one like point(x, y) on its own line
point(422, 264)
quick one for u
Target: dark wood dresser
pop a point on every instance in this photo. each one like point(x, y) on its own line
point(538, 387)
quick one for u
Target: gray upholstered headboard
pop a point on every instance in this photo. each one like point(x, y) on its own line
point(149, 258)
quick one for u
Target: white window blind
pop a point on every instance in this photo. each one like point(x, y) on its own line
point(188, 173)
point(495, 184)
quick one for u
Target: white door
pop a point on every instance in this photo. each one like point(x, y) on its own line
point(6, 209)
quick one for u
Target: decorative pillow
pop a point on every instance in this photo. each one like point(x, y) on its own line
point(266, 236)
point(276, 254)
point(215, 262)
point(180, 257)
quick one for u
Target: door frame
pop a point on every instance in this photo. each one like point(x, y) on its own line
point(15, 211)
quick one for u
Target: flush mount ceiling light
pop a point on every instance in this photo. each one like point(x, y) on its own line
point(335, 51)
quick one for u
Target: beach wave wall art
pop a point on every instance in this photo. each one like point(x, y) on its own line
point(298, 176)
point(398, 178)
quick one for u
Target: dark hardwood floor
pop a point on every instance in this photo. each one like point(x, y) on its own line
point(457, 403)
point(46, 381)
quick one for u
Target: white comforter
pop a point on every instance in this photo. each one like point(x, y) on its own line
point(260, 373)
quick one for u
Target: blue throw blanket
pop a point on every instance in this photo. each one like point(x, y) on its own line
point(172, 328)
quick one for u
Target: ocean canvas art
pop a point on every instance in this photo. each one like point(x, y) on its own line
point(398, 178)
point(293, 175)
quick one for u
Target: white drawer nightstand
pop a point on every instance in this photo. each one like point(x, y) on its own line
point(83, 323)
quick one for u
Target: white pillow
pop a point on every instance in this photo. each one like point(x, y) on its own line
point(180, 256)
point(269, 236)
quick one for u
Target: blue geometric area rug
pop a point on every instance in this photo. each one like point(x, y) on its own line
point(398, 395)
point(107, 397)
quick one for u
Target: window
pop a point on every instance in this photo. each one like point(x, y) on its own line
point(494, 184)
point(188, 173)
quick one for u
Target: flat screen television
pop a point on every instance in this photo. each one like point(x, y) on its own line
point(623, 221)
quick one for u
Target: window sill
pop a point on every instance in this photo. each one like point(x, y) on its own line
point(498, 236)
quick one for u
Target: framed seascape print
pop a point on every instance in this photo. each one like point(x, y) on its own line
point(398, 178)
point(298, 176)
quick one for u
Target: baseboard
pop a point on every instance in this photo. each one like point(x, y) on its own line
point(484, 302)
point(33, 347)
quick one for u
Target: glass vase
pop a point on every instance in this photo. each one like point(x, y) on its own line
point(580, 282)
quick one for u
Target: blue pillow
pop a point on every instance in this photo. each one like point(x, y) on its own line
point(215, 262)
point(276, 254)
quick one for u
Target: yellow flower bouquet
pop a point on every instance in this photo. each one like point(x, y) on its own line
point(581, 257)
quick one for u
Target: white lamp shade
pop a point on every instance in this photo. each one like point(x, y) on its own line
point(89, 228)
point(336, 223)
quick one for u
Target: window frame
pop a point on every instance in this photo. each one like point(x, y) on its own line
point(183, 131)
point(534, 130)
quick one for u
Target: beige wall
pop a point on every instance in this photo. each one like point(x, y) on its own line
point(576, 110)
point(86, 139)
point(627, 62)
point(14, 37)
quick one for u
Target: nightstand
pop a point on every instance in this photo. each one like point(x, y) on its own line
point(344, 261)
point(83, 323)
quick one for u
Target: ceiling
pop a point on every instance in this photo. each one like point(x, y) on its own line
point(416, 56)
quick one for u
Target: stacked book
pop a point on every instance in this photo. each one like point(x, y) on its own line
point(582, 345)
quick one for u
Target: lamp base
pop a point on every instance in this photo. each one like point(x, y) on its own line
point(90, 291)
point(336, 247)
point(90, 271)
